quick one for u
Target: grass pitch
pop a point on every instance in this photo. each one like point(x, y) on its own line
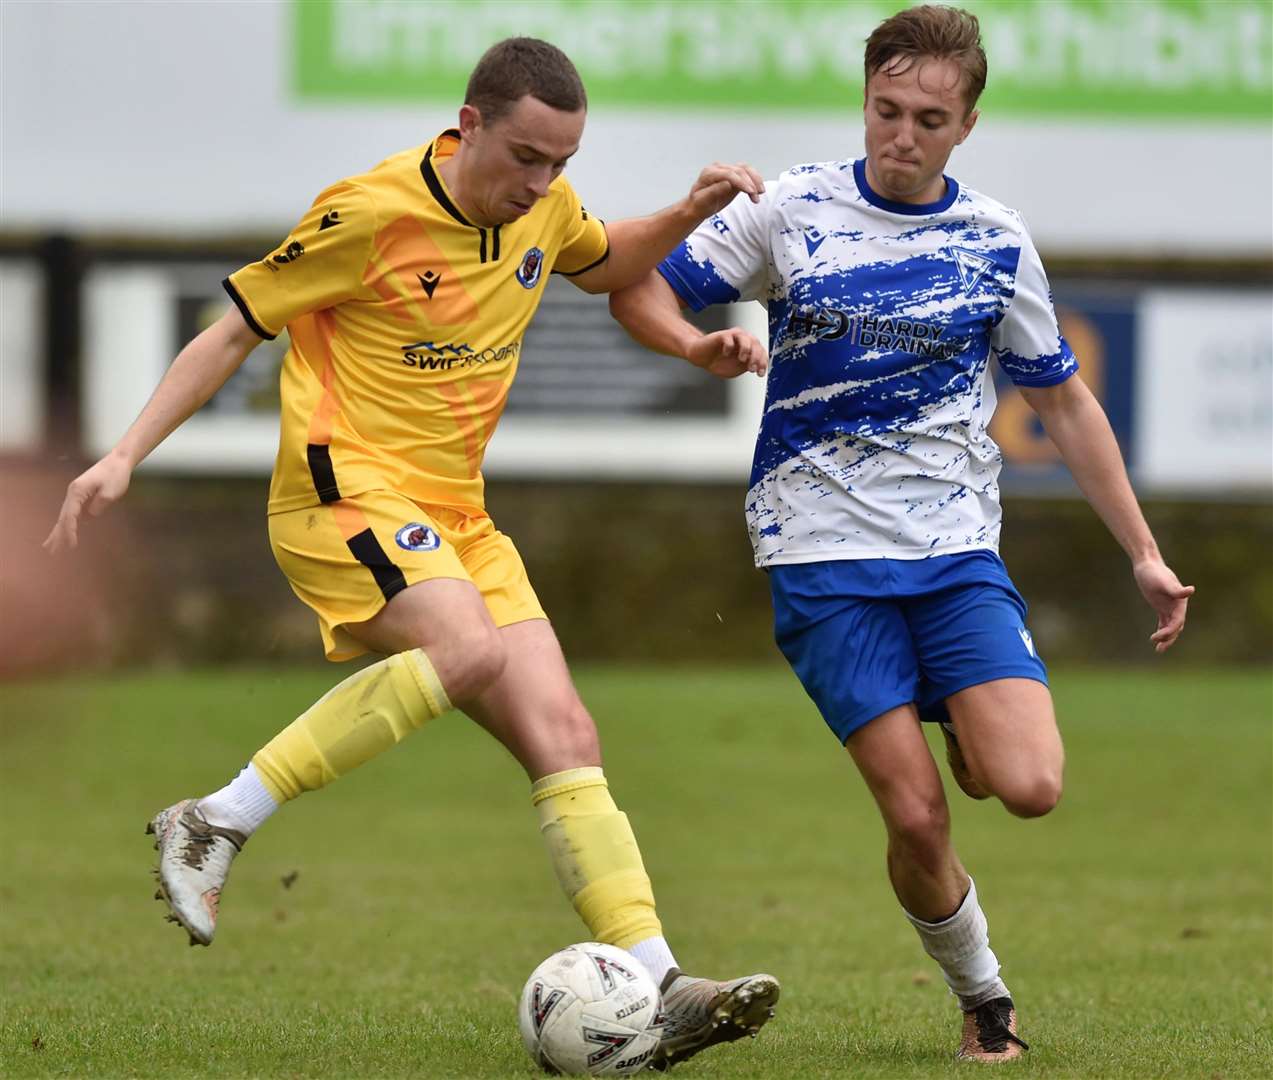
point(384, 926)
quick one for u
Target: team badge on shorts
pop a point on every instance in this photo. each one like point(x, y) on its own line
point(532, 266)
point(417, 537)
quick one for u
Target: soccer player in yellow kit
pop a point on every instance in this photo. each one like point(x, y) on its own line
point(406, 291)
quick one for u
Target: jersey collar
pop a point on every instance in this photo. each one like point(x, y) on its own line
point(441, 148)
point(914, 209)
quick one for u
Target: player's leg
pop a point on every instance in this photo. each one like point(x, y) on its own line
point(1008, 735)
point(936, 893)
point(981, 673)
point(535, 711)
point(849, 643)
point(355, 563)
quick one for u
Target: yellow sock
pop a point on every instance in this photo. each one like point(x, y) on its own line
point(596, 856)
point(369, 712)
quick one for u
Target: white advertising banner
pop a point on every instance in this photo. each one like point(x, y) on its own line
point(1204, 392)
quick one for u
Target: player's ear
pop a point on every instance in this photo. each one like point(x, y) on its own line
point(470, 120)
point(970, 122)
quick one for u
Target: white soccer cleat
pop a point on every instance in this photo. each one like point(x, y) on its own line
point(194, 861)
point(698, 1013)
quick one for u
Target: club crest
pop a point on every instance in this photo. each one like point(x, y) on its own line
point(416, 537)
point(532, 266)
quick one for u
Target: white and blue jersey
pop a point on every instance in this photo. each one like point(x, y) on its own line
point(883, 317)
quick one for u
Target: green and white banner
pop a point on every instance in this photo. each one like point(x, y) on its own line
point(1172, 59)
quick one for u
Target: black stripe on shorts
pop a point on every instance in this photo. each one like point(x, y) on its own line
point(367, 550)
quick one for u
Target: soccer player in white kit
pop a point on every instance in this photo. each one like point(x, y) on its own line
point(873, 503)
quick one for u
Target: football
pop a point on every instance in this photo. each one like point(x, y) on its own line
point(591, 1009)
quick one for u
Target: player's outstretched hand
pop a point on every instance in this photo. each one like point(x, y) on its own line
point(1167, 597)
point(728, 353)
point(717, 185)
point(92, 492)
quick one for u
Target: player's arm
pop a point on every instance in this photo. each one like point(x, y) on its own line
point(638, 245)
point(199, 371)
point(1075, 421)
point(650, 311)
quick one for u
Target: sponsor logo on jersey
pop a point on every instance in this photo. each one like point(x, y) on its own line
point(416, 537)
point(429, 282)
point(1027, 639)
point(532, 266)
point(611, 1043)
point(330, 220)
point(447, 356)
point(541, 1006)
point(972, 266)
point(877, 332)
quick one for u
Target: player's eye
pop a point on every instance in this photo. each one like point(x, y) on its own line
point(932, 125)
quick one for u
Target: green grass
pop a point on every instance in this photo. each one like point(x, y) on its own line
point(1134, 922)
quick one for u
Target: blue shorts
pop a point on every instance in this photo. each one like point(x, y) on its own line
point(867, 635)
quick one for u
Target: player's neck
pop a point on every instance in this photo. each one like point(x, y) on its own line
point(452, 172)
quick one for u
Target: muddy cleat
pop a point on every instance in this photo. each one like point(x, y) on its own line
point(958, 766)
point(698, 1013)
point(990, 1033)
point(194, 861)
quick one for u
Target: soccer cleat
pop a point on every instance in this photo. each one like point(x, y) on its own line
point(958, 766)
point(990, 1033)
point(194, 861)
point(698, 1013)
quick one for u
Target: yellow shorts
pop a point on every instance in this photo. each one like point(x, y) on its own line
point(349, 558)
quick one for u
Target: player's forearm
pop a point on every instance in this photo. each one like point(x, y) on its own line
point(651, 313)
point(198, 372)
point(1077, 424)
point(638, 245)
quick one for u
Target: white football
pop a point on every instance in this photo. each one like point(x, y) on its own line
point(591, 1009)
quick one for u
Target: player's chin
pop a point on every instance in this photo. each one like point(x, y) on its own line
point(512, 210)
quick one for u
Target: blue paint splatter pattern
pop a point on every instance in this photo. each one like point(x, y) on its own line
point(882, 324)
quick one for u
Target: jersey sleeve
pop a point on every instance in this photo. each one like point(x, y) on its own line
point(726, 259)
point(321, 263)
point(1028, 342)
point(585, 244)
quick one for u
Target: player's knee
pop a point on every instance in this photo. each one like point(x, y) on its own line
point(578, 734)
point(1032, 796)
point(921, 827)
point(476, 659)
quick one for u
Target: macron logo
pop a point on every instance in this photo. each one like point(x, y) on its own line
point(1026, 640)
point(813, 240)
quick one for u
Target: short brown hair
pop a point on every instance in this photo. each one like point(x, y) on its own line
point(512, 68)
point(945, 33)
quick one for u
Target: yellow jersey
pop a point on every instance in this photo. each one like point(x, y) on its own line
point(406, 324)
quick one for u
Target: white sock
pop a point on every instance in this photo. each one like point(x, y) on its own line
point(243, 804)
point(961, 947)
point(655, 956)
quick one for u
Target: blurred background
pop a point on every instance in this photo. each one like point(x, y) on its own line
point(147, 149)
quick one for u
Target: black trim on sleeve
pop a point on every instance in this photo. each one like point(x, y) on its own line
point(367, 550)
point(591, 266)
point(434, 183)
point(248, 317)
point(322, 472)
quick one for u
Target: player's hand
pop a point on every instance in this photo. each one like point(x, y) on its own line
point(718, 184)
point(1167, 597)
point(92, 492)
point(728, 353)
